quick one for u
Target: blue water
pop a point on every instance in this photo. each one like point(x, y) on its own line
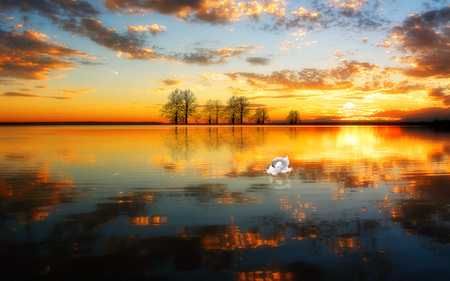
point(196, 203)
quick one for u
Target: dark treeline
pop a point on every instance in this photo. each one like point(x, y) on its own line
point(438, 125)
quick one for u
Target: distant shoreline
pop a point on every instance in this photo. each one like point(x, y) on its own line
point(436, 123)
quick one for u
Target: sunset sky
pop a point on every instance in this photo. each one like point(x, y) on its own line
point(117, 60)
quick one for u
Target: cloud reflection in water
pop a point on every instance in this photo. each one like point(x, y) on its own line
point(195, 202)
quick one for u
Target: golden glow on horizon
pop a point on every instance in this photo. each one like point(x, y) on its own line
point(105, 66)
point(346, 159)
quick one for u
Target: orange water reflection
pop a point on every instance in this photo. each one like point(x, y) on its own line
point(154, 201)
point(264, 275)
point(233, 237)
point(351, 156)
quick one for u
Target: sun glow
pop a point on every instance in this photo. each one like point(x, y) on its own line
point(349, 105)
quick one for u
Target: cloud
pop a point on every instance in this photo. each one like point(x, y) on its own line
point(237, 91)
point(213, 56)
point(76, 91)
point(441, 94)
point(338, 55)
point(389, 87)
point(167, 7)
point(347, 7)
point(425, 40)
point(78, 17)
point(29, 55)
point(423, 114)
point(158, 91)
point(338, 78)
point(170, 82)
point(154, 29)
point(347, 14)
point(285, 96)
point(53, 9)
point(59, 98)
point(258, 61)
point(130, 43)
point(208, 11)
point(21, 95)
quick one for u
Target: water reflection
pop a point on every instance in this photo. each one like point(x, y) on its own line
point(192, 203)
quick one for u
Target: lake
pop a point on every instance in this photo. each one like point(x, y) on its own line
point(196, 203)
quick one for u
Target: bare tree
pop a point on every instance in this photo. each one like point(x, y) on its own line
point(261, 115)
point(217, 109)
point(237, 109)
point(231, 110)
point(293, 117)
point(188, 104)
point(242, 107)
point(212, 111)
point(209, 111)
point(172, 109)
point(182, 104)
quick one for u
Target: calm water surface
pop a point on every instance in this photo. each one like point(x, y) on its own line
point(196, 203)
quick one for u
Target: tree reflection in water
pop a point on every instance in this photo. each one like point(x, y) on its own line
point(361, 204)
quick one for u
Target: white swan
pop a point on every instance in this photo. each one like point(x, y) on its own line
point(279, 165)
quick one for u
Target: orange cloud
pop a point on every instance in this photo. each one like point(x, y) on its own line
point(22, 95)
point(353, 79)
point(441, 94)
point(30, 56)
point(76, 91)
point(347, 7)
point(170, 82)
point(340, 77)
point(154, 29)
point(210, 11)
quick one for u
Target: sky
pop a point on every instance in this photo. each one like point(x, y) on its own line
point(117, 60)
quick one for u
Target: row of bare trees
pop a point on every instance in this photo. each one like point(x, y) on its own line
point(182, 104)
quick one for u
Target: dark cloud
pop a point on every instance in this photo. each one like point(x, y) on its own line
point(21, 95)
point(441, 94)
point(258, 61)
point(78, 17)
point(425, 38)
point(213, 56)
point(209, 11)
point(53, 9)
point(359, 15)
point(30, 56)
point(423, 114)
point(167, 7)
point(129, 43)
